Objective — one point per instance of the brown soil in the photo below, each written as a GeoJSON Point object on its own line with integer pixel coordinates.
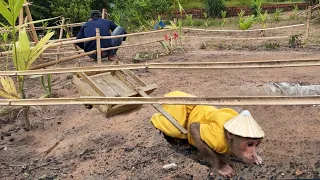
{"type": "Point", "coordinates": [126, 146]}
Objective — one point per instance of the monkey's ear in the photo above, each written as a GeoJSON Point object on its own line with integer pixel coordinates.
{"type": "Point", "coordinates": [229, 135]}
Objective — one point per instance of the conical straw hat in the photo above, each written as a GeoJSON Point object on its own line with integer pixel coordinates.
{"type": "Point", "coordinates": [244, 125]}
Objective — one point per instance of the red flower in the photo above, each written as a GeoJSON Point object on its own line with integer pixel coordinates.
{"type": "Point", "coordinates": [167, 38]}
{"type": "Point", "coordinates": [175, 35]}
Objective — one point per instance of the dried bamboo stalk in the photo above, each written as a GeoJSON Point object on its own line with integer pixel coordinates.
{"type": "Point", "coordinates": [189, 65]}
{"type": "Point", "coordinates": [98, 43]}
{"type": "Point", "coordinates": [240, 38]}
{"type": "Point", "coordinates": [249, 30]}
{"type": "Point", "coordinates": [216, 101]}
{"type": "Point", "coordinates": [60, 36]}
{"type": "Point", "coordinates": [136, 34]}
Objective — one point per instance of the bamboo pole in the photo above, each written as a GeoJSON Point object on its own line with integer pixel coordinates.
{"type": "Point", "coordinates": [104, 13]}
{"type": "Point", "coordinates": [249, 30]}
{"type": "Point", "coordinates": [216, 101]}
{"type": "Point", "coordinates": [60, 36]}
{"type": "Point", "coordinates": [189, 65]}
{"type": "Point", "coordinates": [241, 38]}
{"type": "Point", "coordinates": [136, 34]}
{"type": "Point", "coordinates": [132, 45]}
{"type": "Point", "coordinates": [62, 60]}
{"type": "Point", "coordinates": [308, 24]}
{"type": "Point", "coordinates": [34, 33]}
{"type": "Point", "coordinates": [98, 43]}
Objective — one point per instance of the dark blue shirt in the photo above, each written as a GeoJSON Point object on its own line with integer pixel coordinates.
{"type": "Point", "coordinates": [89, 30]}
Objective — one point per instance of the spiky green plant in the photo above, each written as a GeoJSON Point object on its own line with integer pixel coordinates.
{"type": "Point", "coordinates": [223, 15]}
{"type": "Point", "coordinates": [276, 15]}
{"type": "Point", "coordinates": [246, 23]}
{"type": "Point", "coordinates": [263, 19]}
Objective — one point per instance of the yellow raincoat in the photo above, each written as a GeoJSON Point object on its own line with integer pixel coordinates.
{"type": "Point", "coordinates": [210, 118]}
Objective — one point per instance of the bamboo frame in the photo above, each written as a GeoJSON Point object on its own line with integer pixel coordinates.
{"type": "Point", "coordinates": [216, 101]}
{"type": "Point", "coordinates": [136, 34]}
{"type": "Point", "coordinates": [249, 30]}
{"type": "Point", "coordinates": [189, 65]}
{"type": "Point", "coordinates": [131, 45]}
{"type": "Point", "coordinates": [98, 43]}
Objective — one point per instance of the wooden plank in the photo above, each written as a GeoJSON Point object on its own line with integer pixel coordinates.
{"type": "Point", "coordinates": [115, 84]}
{"type": "Point", "coordinates": [124, 80]}
{"type": "Point", "coordinates": [147, 89]}
{"type": "Point", "coordinates": [117, 109]}
{"type": "Point", "coordinates": [85, 89]}
{"type": "Point", "coordinates": [165, 114]}
{"type": "Point", "coordinates": [92, 84]}
{"type": "Point", "coordinates": [104, 86]}
{"type": "Point", "coordinates": [133, 76]}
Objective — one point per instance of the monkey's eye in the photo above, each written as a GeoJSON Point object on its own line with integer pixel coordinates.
{"type": "Point", "coordinates": [250, 144]}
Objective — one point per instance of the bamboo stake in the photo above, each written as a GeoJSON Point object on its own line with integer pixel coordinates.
{"type": "Point", "coordinates": [308, 24]}
{"type": "Point", "coordinates": [20, 19]}
{"type": "Point", "coordinates": [189, 65]}
{"type": "Point", "coordinates": [62, 60]}
{"type": "Point", "coordinates": [98, 43]}
{"type": "Point", "coordinates": [60, 36]}
{"type": "Point", "coordinates": [34, 33]}
{"type": "Point", "coordinates": [103, 13]}
{"type": "Point", "coordinates": [216, 101]}
{"type": "Point", "coordinates": [249, 30]}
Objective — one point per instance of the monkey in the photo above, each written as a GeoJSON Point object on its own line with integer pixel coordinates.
{"type": "Point", "coordinates": [214, 131]}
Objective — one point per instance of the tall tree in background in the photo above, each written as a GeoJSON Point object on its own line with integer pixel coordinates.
{"type": "Point", "coordinates": [76, 10]}
{"type": "Point", "coordinates": [40, 9]}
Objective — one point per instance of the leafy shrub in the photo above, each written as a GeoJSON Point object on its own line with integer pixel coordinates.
{"type": "Point", "coordinates": [214, 7]}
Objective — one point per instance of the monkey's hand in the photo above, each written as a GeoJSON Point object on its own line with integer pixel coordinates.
{"type": "Point", "coordinates": [225, 169]}
{"type": "Point", "coordinates": [258, 160]}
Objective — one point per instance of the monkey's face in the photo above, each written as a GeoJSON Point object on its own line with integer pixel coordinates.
{"type": "Point", "coordinates": [246, 149]}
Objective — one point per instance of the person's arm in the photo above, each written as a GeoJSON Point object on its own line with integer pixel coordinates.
{"type": "Point", "coordinates": [113, 26]}
{"type": "Point", "coordinates": [80, 36]}
{"type": "Point", "coordinates": [210, 155]}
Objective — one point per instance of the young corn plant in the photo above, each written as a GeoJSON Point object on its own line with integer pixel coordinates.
{"type": "Point", "coordinates": [189, 19]}
{"type": "Point", "coordinates": [263, 18]}
{"type": "Point", "coordinates": [276, 15]}
{"type": "Point", "coordinates": [22, 54]}
{"type": "Point", "coordinates": [205, 15]}
{"type": "Point", "coordinates": [223, 15]}
{"type": "Point", "coordinates": [246, 23]}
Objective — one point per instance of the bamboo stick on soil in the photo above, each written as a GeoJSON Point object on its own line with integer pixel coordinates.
{"type": "Point", "coordinates": [249, 30]}
{"type": "Point", "coordinates": [216, 101]}
{"type": "Point", "coordinates": [98, 43]}
{"type": "Point", "coordinates": [189, 65]}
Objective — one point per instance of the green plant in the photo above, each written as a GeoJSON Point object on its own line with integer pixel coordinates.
{"type": "Point", "coordinates": [246, 23]}
{"type": "Point", "coordinates": [214, 7]}
{"type": "Point", "coordinates": [294, 41]}
{"type": "Point", "coordinates": [223, 15]}
{"type": "Point", "coordinates": [22, 54]}
{"type": "Point", "coordinates": [276, 15]}
{"type": "Point", "coordinates": [256, 7]}
{"type": "Point", "coordinates": [189, 19]}
{"type": "Point", "coordinates": [263, 19]}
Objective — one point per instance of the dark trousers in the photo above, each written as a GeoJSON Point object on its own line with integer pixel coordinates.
{"type": "Point", "coordinates": [113, 42]}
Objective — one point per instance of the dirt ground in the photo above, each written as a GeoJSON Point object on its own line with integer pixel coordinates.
{"type": "Point", "coordinates": [126, 146]}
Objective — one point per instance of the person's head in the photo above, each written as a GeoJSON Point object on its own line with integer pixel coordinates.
{"type": "Point", "coordinates": [243, 135]}
{"type": "Point", "coordinates": [95, 14]}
